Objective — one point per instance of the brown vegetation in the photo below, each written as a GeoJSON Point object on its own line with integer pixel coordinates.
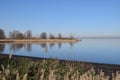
{"type": "Point", "coordinates": [48, 69]}
{"type": "Point", "coordinates": [38, 40]}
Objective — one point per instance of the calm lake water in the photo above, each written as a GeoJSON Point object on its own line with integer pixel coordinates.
{"type": "Point", "coordinates": [87, 50]}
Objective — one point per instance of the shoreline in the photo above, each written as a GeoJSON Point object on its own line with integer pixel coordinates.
{"type": "Point", "coordinates": [39, 58]}
{"type": "Point", "coordinates": [105, 67]}
{"type": "Point", "coordinates": [37, 40]}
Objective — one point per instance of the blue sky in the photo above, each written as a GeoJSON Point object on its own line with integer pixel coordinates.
{"type": "Point", "coordinates": [78, 17]}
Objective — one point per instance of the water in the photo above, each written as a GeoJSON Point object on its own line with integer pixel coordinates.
{"type": "Point", "coordinates": [87, 50]}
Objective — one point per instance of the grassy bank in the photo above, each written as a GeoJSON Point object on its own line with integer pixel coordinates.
{"type": "Point", "coordinates": [48, 69]}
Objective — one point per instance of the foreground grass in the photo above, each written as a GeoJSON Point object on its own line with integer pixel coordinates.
{"type": "Point", "coordinates": [50, 69]}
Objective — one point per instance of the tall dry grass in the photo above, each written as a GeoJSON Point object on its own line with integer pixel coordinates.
{"type": "Point", "coordinates": [52, 69]}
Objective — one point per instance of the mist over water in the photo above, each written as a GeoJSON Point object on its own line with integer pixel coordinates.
{"type": "Point", "coordinates": [87, 50]}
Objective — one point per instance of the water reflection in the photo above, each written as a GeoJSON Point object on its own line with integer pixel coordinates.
{"type": "Point", "coordinates": [51, 45]}
{"type": "Point", "coordinates": [46, 49]}
{"type": "Point", "coordinates": [43, 45]}
{"type": "Point", "coordinates": [71, 44]}
{"type": "Point", "coordinates": [15, 47]}
{"type": "Point", "coordinates": [2, 47]}
{"type": "Point", "coordinates": [19, 46]}
{"type": "Point", "coordinates": [12, 47]}
{"type": "Point", "coordinates": [28, 46]}
{"type": "Point", "coordinates": [59, 45]}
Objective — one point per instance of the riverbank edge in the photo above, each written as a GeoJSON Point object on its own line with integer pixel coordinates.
{"type": "Point", "coordinates": [97, 65]}
{"type": "Point", "coordinates": [37, 40]}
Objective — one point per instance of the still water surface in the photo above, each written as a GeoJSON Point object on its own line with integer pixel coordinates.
{"type": "Point", "coordinates": [87, 50]}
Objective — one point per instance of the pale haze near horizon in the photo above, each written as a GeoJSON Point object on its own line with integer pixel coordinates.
{"type": "Point", "coordinates": [77, 17]}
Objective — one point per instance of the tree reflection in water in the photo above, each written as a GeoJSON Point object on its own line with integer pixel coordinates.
{"type": "Point", "coordinates": [59, 45]}
{"type": "Point", "coordinates": [16, 47]}
{"type": "Point", "coordinates": [2, 47]}
{"type": "Point", "coordinates": [44, 46]}
{"type": "Point", "coordinates": [71, 44]}
{"type": "Point", "coordinates": [12, 47]}
{"type": "Point", "coordinates": [19, 46]}
{"type": "Point", "coordinates": [51, 45]}
{"type": "Point", "coordinates": [46, 49]}
{"type": "Point", "coordinates": [28, 46]}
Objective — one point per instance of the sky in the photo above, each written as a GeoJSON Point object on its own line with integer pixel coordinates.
{"type": "Point", "coordinates": [76, 17]}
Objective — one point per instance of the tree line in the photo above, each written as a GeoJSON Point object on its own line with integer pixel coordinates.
{"type": "Point", "coordinates": [15, 34]}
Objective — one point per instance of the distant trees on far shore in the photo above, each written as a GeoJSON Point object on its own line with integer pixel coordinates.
{"type": "Point", "coordinates": [43, 35]}
{"type": "Point", "coordinates": [15, 34]}
{"type": "Point", "coordinates": [59, 36]}
{"type": "Point", "coordinates": [28, 34]}
{"type": "Point", "coordinates": [2, 34]}
{"type": "Point", "coordinates": [51, 36]}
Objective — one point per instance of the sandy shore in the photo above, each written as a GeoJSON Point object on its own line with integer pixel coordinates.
{"type": "Point", "coordinates": [37, 40]}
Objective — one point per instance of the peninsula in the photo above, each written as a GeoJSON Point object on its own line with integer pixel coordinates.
{"type": "Point", "coordinates": [16, 36]}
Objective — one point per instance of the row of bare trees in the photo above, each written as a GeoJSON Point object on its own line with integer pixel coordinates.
{"type": "Point", "coordinates": [15, 34]}
{"type": "Point", "coordinates": [51, 36]}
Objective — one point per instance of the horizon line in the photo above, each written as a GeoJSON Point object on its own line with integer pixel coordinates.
{"type": "Point", "coordinates": [98, 37]}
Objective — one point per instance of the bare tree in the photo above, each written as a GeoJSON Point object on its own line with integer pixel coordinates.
{"type": "Point", "coordinates": [28, 34]}
{"type": "Point", "coordinates": [59, 36]}
{"type": "Point", "coordinates": [51, 36]}
{"type": "Point", "coordinates": [71, 37]}
{"type": "Point", "coordinates": [10, 34]}
{"type": "Point", "coordinates": [13, 34]}
{"type": "Point", "coordinates": [2, 34]}
{"type": "Point", "coordinates": [43, 35]}
{"type": "Point", "coordinates": [19, 35]}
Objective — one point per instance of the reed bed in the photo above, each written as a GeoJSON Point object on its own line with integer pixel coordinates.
{"type": "Point", "coordinates": [50, 69]}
